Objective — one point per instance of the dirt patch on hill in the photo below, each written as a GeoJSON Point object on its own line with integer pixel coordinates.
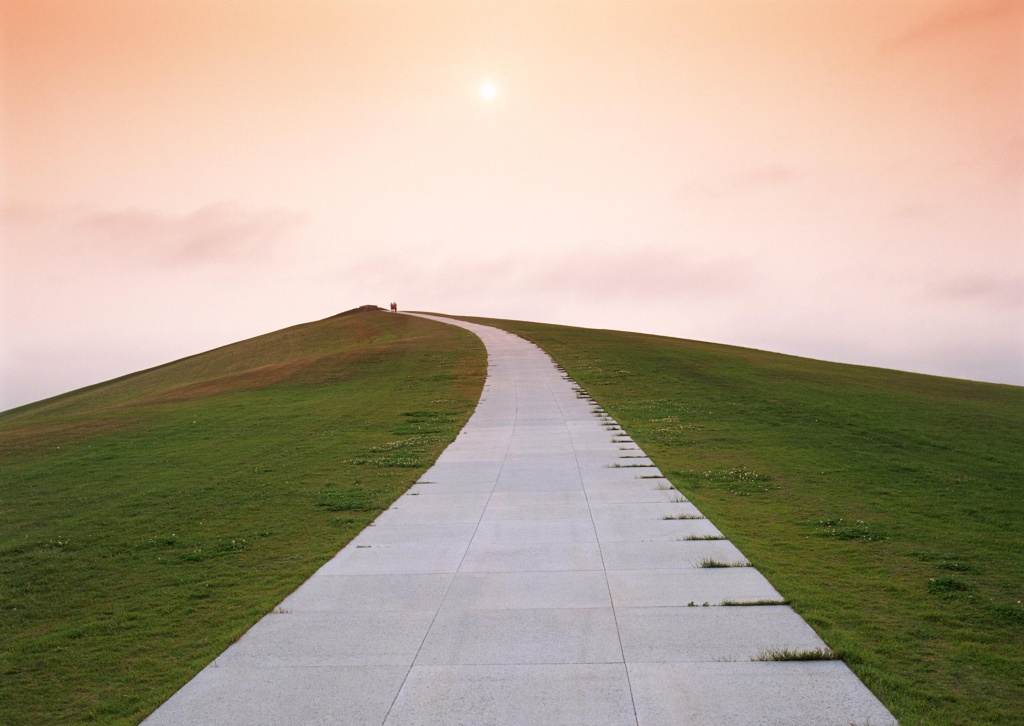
{"type": "Point", "coordinates": [25, 440]}
{"type": "Point", "coordinates": [360, 309]}
{"type": "Point", "coordinates": [314, 370]}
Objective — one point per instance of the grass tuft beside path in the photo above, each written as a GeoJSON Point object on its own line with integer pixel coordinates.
{"type": "Point", "coordinates": [887, 507]}
{"type": "Point", "coordinates": [149, 521]}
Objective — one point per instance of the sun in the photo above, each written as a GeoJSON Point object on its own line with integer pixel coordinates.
{"type": "Point", "coordinates": [488, 91]}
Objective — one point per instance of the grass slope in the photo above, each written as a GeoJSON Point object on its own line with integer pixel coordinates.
{"type": "Point", "coordinates": [886, 506]}
{"type": "Point", "coordinates": [149, 521]}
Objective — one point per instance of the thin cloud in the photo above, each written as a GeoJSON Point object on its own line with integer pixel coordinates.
{"type": "Point", "coordinates": [959, 15]}
{"type": "Point", "coordinates": [756, 179]}
{"type": "Point", "coordinates": [1012, 159]}
{"type": "Point", "coordinates": [643, 273]}
{"type": "Point", "coordinates": [214, 234]}
{"type": "Point", "coordinates": [218, 234]}
{"type": "Point", "coordinates": [996, 292]}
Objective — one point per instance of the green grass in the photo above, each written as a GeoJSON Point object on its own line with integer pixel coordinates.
{"type": "Point", "coordinates": [887, 507]}
{"type": "Point", "coordinates": [149, 521]}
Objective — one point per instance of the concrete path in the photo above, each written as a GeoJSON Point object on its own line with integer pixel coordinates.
{"type": "Point", "coordinates": [542, 572]}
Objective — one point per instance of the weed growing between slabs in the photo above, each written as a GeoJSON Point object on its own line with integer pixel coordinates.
{"type": "Point", "coordinates": [885, 506]}
{"type": "Point", "coordinates": [787, 654]}
{"type": "Point", "coordinates": [151, 520]}
{"type": "Point", "coordinates": [714, 563]}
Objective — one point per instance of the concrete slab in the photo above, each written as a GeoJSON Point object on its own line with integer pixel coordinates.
{"type": "Point", "coordinates": [550, 459]}
{"type": "Point", "coordinates": [620, 481]}
{"type": "Point", "coordinates": [531, 557]}
{"type": "Point", "coordinates": [410, 511]}
{"type": "Point", "coordinates": [377, 593]}
{"type": "Point", "coordinates": [509, 637]}
{"type": "Point", "coordinates": [517, 498]}
{"type": "Point", "coordinates": [478, 455]}
{"type": "Point", "coordinates": [508, 590]}
{"type": "Point", "coordinates": [648, 511]}
{"type": "Point", "coordinates": [623, 478]}
{"type": "Point", "coordinates": [671, 530]}
{"type": "Point", "coordinates": [331, 639]}
{"type": "Point", "coordinates": [231, 696]}
{"type": "Point", "coordinates": [591, 460]}
{"type": "Point", "coordinates": [535, 512]}
{"type": "Point", "coordinates": [668, 555]}
{"type": "Point", "coordinates": [552, 695]}
{"type": "Point", "coordinates": [809, 693]}
{"type": "Point", "coordinates": [669, 635]}
{"type": "Point", "coordinates": [596, 475]}
{"type": "Point", "coordinates": [442, 556]}
{"type": "Point", "coordinates": [450, 489]}
{"type": "Point", "coordinates": [438, 496]}
{"type": "Point", "coordinates": [470, 472]}
{"type": "Point", "coordinates": [412, 534]}
{"type": "Point", "coordinates": [679, 588]}
{"type": "Point", "coordinates": [535, 483]}
{"type": "Point", "coordinates": [631, 494]}
{"type": "Point", "coordinates": [536, 532]}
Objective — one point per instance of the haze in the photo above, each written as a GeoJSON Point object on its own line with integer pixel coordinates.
{"type": "Point", "coordinates": [838, 179]}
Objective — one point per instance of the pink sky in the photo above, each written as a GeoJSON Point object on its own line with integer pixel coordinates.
{"type": "Point", "coordinates": [837, 179]}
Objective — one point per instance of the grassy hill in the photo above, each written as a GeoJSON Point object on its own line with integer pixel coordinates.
{"type": "Point", "coordinates": [888, 507]}
{"type": "Point", "coordinates": [149, 521]}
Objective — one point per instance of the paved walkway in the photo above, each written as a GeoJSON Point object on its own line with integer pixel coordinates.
{"type": "Point", "coordinates": [542, 572]}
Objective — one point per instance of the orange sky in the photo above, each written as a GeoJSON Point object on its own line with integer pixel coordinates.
{"type": "Point", "coordinates": [843, 180]}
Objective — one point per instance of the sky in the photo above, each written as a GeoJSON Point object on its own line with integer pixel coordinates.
{"type": "Point", "coordinates": [838, 179]}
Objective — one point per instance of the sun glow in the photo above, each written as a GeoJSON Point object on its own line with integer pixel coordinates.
{"type": "Point", "coordinates": [488, 91]}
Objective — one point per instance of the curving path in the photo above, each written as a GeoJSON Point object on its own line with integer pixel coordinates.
{"type": "Point", "coordinates": [542, 572]}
